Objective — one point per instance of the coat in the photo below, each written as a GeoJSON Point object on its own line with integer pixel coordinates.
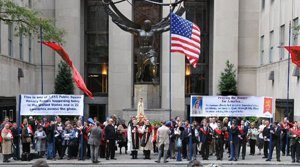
{"type": "Point", "coordinates": [7, 142]}
{"type": "Point", "coordinates": [163, 137]}
{"type": "Point", "coordinates": [95, 136]}
{"type": "Point", "coordinates": [40, 137]}
{"type": "Point", "coordinates": [147, 135]}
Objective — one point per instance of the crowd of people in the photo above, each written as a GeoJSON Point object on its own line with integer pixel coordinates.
{"type": "Point", "coordinates": [139, 137]}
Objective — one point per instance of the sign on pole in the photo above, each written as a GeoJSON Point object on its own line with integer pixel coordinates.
{"type": "Point", "coordinates": [231, 106]}
{"type": "Point", "coordinates": [53, 104]}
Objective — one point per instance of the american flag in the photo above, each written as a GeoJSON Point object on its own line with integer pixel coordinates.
{"type": "Point", "coordinates": [185, 38]}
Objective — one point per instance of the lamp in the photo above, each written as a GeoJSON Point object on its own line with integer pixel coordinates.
{"type": "Point", "coordinates": [104, 69]}
{"type": "Point", "coordinates": [187, 70]}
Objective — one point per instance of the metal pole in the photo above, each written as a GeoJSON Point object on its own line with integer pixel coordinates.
{"type": "Point", "coordinates": [170, 66]}
{"type": "Point", "coordinates": [288, 88]}
{"type": "Point", "coordinates": [19, 127]}
{"type": "Point", "coordinates": [42, 70]}
{"type": "Point", "coordinates": [81, 138]}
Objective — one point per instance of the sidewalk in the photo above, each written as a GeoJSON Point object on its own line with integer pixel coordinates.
{"type": "Point", "coordinates": [125, 160]}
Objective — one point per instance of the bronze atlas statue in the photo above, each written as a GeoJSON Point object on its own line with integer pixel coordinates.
{"type": "Point", "coordinates": [146, 54]}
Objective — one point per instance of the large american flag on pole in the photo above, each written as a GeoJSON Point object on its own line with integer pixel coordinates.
{"type": "Point", "coordinates": [185, 38]}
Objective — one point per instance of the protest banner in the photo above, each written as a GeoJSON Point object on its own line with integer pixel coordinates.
{"type": "Point", "coordinates": [53, 104]}
{"type": "Point", "coordinates": [231, 106]}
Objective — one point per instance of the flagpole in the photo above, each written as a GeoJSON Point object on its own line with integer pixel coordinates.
{"type": "Point", "coordinates": [288, 76]}
{"type": "Point", "coordinates": [288, 87]}
{"type": "Point", "coordinates": [42, 70]}
{"type": "Point", "coordinates": [170, 66]}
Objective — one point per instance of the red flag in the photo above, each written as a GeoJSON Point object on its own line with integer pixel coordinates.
{"type": "Point", "coordinates": [76, 75]}
{"type": "Point", "coordinates": [295, 53]}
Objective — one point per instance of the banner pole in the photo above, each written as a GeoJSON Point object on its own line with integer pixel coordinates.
{"type": "Point", "coordinates": [19, 127]}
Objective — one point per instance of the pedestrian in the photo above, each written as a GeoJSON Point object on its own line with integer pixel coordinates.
{"type": "Point", "coordinates": [7, 137]}
{"type": "Point", "coordinates": [219, 141]}
{"type": "Point", "coordinates": [133, 137]}
{"type": "Point", "coordinates": [110, 138]}
{"type": "Point", "coordinates": [58, 134]}
{"type": "Point", "coordinates": [50, 141]}
{"type": "Point", "coordinates": [26, 137]}
{"type": "Point", "coordinates": [122, 136]}
{"type": "Point", "coordinates": [266, 134]}
{"type": "Point", "coordinates": [294, 134]}
{"type": "Point", "coordinates": [243, 139]}
{"type": "Point", "coordinates": [275, 132]}
{"type": "Point", "coordinates": [146, 139]}
{"type": "Point", "coordinates": [163, 141]}
{"type": "Point", "coordinates": [94, 142]}
{"type": "Point", "coordinates": [16, 141]}
{"type": "Point", "coordinates": [234, 141]}
{"type": "Point", "coordinates": [40, 137]}
{"type": "Point", "coordinates": [205, 136]}
{"type": "Point", "coordinates": [252, 135]}
{"type": "Point", "coordinates": [261, 137]}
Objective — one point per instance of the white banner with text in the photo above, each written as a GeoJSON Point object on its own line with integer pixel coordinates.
{"type": "Point", "coordinates": [53, 104]}
{"type": "Point", "coordinates": [231, 106]}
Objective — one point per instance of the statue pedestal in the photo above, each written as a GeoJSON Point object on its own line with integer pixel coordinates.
{"type": "Point", "coordinates": [151, 114]}
{"type": "Point", "coordinates": [149, 93]}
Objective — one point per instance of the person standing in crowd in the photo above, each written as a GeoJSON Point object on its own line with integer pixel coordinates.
{"type": "Point", "coordinates": [195, 138]}
{"type": "Point", "coordinates": [134, 138]}
{"type": "Point", "coordinates": [205, 136]}
{"type": "Point", "coordinates": [219, 141]}
{"type": "Point", "coordinates": [243, 139]}
{"type": "Point", "coordinates": [163, 141]}
{"type": "Point", "coordinates": [26, 136]}
{"type": "Point", "coordinates": [266, 134]}
{"type": "Point", "coordinates": [260, 136]}
{"type": "Point", "coordinates": [185, 142]}
{"type": "Point", "coordinates": [275, 132]}
{"type": "Point", "coordinates": [122, 136]}
{"type": "Point", "coordinates": [234, 141]}
{"type": "Point", "coordinates": [147, 136]}
{"type": "Point", "coordinates": [58, 134]}
{"type": "Point", "coordinates": [50, 141]}
{"type": "Point", "coordinates": [94, 142]}
{"type": "Point", "coordinates": [213, 125]}
{"type": "Point", "coordinates": [294, 134]}
{"type": "Point", "coordinates": [285, 140]}
{"type": "Point", "coordinates": [40, 137]}
{"type": "Point", "coordinates": [252, 135]}
{"type": "Point", "coordinates": [178, 131]}
{"type": "Point", "coordinates": [68, 135]}
{"type": "Point", "coordinates": [15, 130]}
{"type": "Point", "coordinates": [86, 147]}
{"type": "Point", "coordinates": [33, 124]}
{"type": "Point", "coordinates": [110, 138]}
{"type": "Point", "coordinates": [171, 152]}
{"type": "Point", "coordinates": [7, 137]}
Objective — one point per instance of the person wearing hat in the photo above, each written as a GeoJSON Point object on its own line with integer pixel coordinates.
{"type": "Point", "coordinates": [163, 141]}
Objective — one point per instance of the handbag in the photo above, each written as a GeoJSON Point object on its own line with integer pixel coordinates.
{"type": "Point", "coordinates": [179, 143]}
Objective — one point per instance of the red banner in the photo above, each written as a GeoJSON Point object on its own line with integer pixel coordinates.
{"type": "Point", "coordinates": [295, 54]}
{"type": "Point", "coordinates": [76, 75]}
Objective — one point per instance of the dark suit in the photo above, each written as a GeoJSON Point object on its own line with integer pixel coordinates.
{"type": "Point", "coordinates": [275, 136]}
{"type": "Point", "coordinates": [110, 135]}
{"type": "Point", "coordinates": [266, 135]}
{"type": "Point", "coordinates": [94, 142]}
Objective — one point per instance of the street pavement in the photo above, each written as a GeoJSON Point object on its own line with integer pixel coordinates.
{"type": "Point", "coordinates": [124, 160]}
